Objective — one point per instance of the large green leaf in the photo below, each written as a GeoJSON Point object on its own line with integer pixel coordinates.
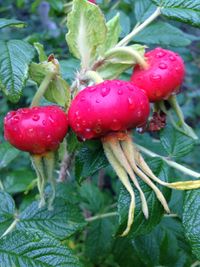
{"type": "Point", "coordinates": [15, 58]}
{"type": "Point", "coordinates": [11, 23]}
{"type": "Point", "coordinates": [182, 10]}
{"type": "Point", "coordinates": [7, 211]}
{"type": "Point", "coordinates": [191, 218]}
{"type": "Point", "coordinates": [141, 225]}
{"type": "Point", "coordinates": [175, 143]}
{"type": "Point", "coordinates": [63, 221]}
{"type": "Point", "coordinates": [143, 9]}
{"type": "Point", "coordinates": [7, 154]}
{"type": "Point", "coordinates": [34, 249]}
{"type": "Point", "coordinates": [162, 33]}
{"type": "Point", "coordinates": [86, 30]}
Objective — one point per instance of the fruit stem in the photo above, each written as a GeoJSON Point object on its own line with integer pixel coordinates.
{"type": "Point", "coordinates": [171, 163]}
{"type": "Point", "coordinates": [94, 76]}
{"type": "Point", "coordinates": [186, 128]}
{"type": "Point", "coordinates": [10, 228]}
{"type": "Point", "coordinates": [139, 28]}
{"type": "Point", "coordinates": [130, 51]}
{"type": "Point", "coordinates": [101, 216]}
{"type": "Point", "coordinates": [42, 88]}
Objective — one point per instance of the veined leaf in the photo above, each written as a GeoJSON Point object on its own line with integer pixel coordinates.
{"type": "Point", "coordinates": [7, 154]}
{"type": "Point", "coordinates": [86, 30]}
{"type": "Point", "coordinates": [34, 248]}
{"type": "Point", "coordinates": [11, 23]}
{"type": "Point", "coordinates": [15, 58]}
{"type": "Point", "coordinates": [181, 10]}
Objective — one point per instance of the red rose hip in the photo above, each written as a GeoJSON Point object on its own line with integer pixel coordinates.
{"type": "Point", "coordinates": [164, 75]}
{"type": "Point", "coordinates": [36, 130]}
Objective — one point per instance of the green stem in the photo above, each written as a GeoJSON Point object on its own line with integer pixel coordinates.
{"type": "Point", "coordinates": [171, 163]}
{"type": "Point", "coordinates": [94, 76]}
{"type": "Point", "coordinates": [101, 216]}
{"type": "Point", "coordinates": [139, 28]}
{"type": "Point", "coordinates": [10, 228]}
{"type": "Point", "coordinates": [127, 50]}
{"type": "Point", "coordinates": [42, 89]}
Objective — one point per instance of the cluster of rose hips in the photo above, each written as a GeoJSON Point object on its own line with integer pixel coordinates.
{"type": "Point", "coordinates": [106, 111]}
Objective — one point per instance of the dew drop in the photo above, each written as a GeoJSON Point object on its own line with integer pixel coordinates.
{"type": "Point", "coordinates": [92, 89]}
{"type": "Point", "coordinates": [160, 54]}
{"type": "Point", "coordinates": [24, 111]}
{"type": "Point", "coordinates": [105, 91]}
{"type": "Point", "coordinates": [15, 118]}
{"type": "Point", "coordinates": [30, 130]}
{"type": "Point", "coordinates": [155, 77]}
{"type": "Point", "coordinates": [172, 58]}
{"type": "Point", "coordinates": [88, 133]}
{"type": "Point", "coordinates": [44, 122]}
{"type": "Point", "coordinates": [162, 66]}
{"type": "Point", "coordinates": [131, 103]}
{"type": "Point", "coordinates": [49, 138]}
{"type": "Point", "coordinates": [177, 69]}
{"type": "Point", "coordinates": [77, 113]}
{"type": "Point", "coordinates": [51, 119]}
{"type": "Point", "coordinates": [120, 92]}
{"type": "Point", "coordinates": [82, 98]}
{"type": "Point", "coordinates": [35, 117]}
{"type": "Point", "coordinates": [115, 125]}
{"type": "Point", "coordinates": [83, 122]}
{"type": "Point", "coordinates": [98, 101]}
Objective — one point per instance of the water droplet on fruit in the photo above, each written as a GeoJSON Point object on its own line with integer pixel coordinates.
{"type": "Point", "coordinates": [35, 117]}
{"type": "Point", "coordinates": [162, 66]}
{"type": "Point", "coordinates": [49, 138]}
{"type": "Point", "coordinates": [177, 69]}
{"type": "Point", "coordinates": [15, 118]}
{"type": "Point", "coordinates": [44, 122]}
{"type": "Point", "coordinates": [130, 101]}
{"type": "Point", "coordinates": [97, 129]}
{"type": "Point", "coordinates": [155, 77]}
{"type": "Point", "coordinates": [78, 118]}
{"type": "Point", "coordinates": [30, 130]}
{"type": "Point", "coordinates": [98, 101]}
{"type": "Point", "coordinates": [51, 119]}
{"type": "Point", "coordinates": [82, 98]}
{"type": "Point", "coordinates": [24, 111]}
{"type": "Point", "coordinates": [139, 78]}
{"type": "Point", "coordinates": [92, 89]}
{"type": "Point", "coordinates": [83, 122]}
{"type": "Point", "coordinates": [139, 113]}
{"type": "Point", "coordinates": [77, 113]}
{"type": "Point", "coordinates": [88, 133]}
{"type": "Point", "coordinates": [120, 92]}
{"type": "Point", "coordinates": [118, 83]}
{"type": "Point", "coordinates": [160, 54]}
{"type": "Point", "coordinates": [115, 125]}
{"type": "Point", "coordinates": [105, 91]}
{"type": "Point", "coordinates": [172, 58]}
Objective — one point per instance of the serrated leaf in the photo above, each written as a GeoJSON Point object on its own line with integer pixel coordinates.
{"type": "Point", "coordinates": [88, 162]}
{"type": "Point", "coordinates": [15, 58]}
{"type": "Point", "coordinates": [11, 23]}
{"type": "Point", "coordinates": [113, 32]}
{"type": "Point", "coordinates": [34, 248]}
{"type": "Point", "coordinates": [7, 154]}
{"type": "Point", "coordinates": [140, 224]}
{"type": "Point", "coordinates": [86, 30]}
{"type": "Point", "coordinates": [191, 218]}
{"type": "Point", "coordinates": [99, 238]}
{"type": "Point", "coordinates": [63, 221]}
{"type": "Point", "coordinates": [162, 33]}
{"type": "Point", "coordinates": [184, 11]}
{"type": "Point", "coordinates": [7, 211]}
{"type": "Point", "coordinates": [176, 144]}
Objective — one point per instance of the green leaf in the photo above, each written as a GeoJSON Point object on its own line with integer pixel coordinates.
{"type": "Point", "coordinates": [140, 224]}
{"type": "Point", "coordinates": [86, 30]}
{"type": "Point", "coordinates": [11, 23]}
{"type": "Point", "coordinates": [7, 154]}
{"type": "Point", "coordinates": [34, 248]}
{"type": "Point", "coordinates": [99, 238]}
{"type": "Point", "coordinates": [18, 180]}
{"type": "Point", "coordinates": [89, 161]}
{"type": "Point", "coordinates": [40, 50]}
{"type": "Point", "coordinates": [113, 32]}
{"type": "Point", "coordinates": [63, 221]}
{"type": "Point", "coordinates": [15, 58]}
{"type": "Point", "coordinates": [7, 211]}
{"type": "Point", "coordinates": [176, 144]}
{"type": "Point", "coordinates": [184, 11]}
{"type": "Point", "coordinates": [191, 218]}
{"type": "Point", "coordinates": [162, 33]}
{"type": "Point", "coordinates": [143, 9]}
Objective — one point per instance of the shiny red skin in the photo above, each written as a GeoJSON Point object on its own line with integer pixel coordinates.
{"type": "Point", "coordinates": [164, 75]}
{"type": "Point", "coordinates": [110, 106]}
{"type": "Point", "coordinates": [36, 130]}
{"type": "Point", "coordinates": [92, 1]}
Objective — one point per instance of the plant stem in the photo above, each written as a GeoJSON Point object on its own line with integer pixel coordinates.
{"type": "Point", "coordinates": [11, 227]}
{"type": "Point", "coordinates": [94, 76]}
{"type": "Point", "coordinates": [101, 216]}
{"type": "Point", "coordinates": [42, 89]}
{"type": "Point", "coordinates": [139, 28]}
{"type": "Point", "coordinates": [171, 163]}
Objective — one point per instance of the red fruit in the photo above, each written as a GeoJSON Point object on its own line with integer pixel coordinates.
{"type": "Point", "coordinates": [163, 76]}
{"type": "Point", "coordinates": [37, 129]}
{"type": "Point", "coordinates": [110, 106]}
